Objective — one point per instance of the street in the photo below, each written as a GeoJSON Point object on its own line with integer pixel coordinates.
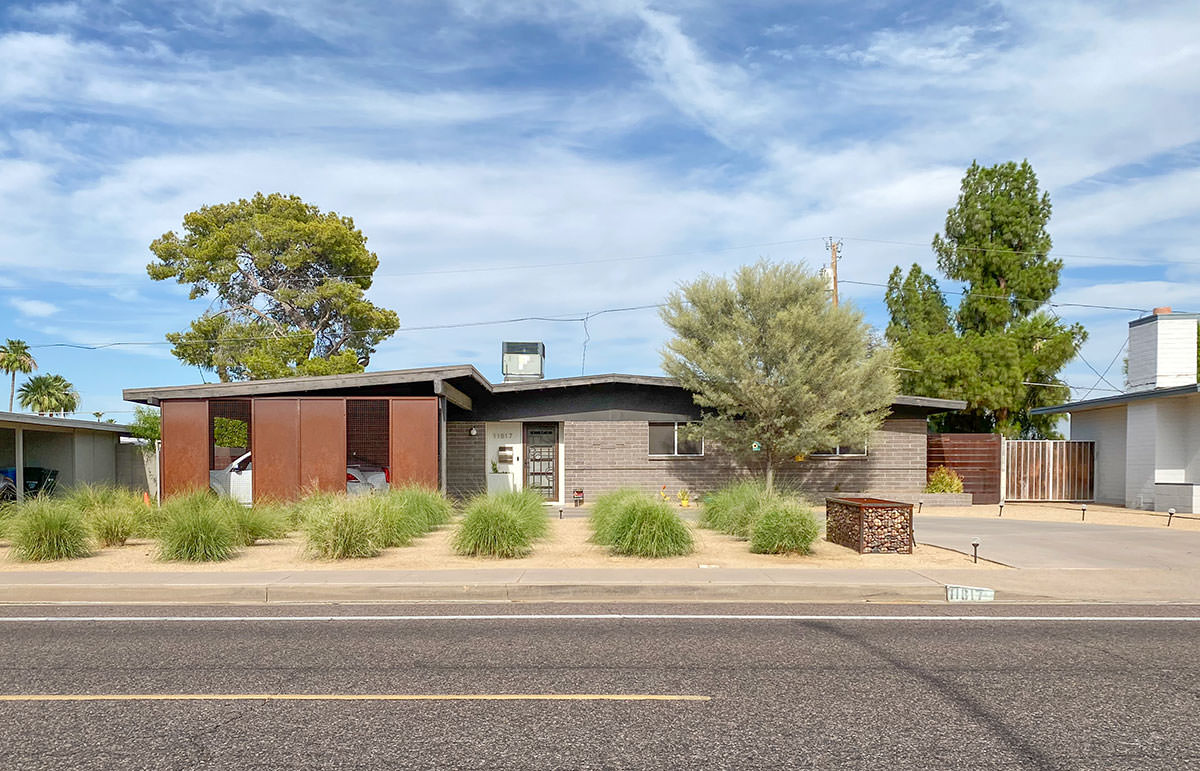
{"type": "Point", "coordinates": [829, 686]}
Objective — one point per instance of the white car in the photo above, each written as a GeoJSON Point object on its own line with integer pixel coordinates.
{"type": "Point", "coordinates": [236, 480]}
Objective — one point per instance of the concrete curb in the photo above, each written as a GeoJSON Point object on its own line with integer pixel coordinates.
{"type": "Point", "coordinates": [268, 594]}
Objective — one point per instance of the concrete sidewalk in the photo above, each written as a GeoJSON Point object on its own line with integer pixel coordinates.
{"type": "Point", "coordinates": [581, 585]}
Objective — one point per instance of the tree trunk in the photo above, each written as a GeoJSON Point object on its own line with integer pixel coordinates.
{"type": "Point", "coordinates": [12, 390]}
{"type": "Point", "coordinates": [770, 473]}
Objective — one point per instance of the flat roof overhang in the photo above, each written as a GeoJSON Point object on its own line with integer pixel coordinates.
{"type": "Point", "coordinates": [36, 422]}
{"type": "Point", "coordinates": [1118, 400]}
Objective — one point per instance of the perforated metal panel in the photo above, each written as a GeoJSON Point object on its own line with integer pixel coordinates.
{"type": "Point", "coordinates": [368, 432]}
{"type": "Point", "coordinates": [229, 433]}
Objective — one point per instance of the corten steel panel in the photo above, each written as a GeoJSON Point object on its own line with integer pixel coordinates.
{"type": "Point", "coordinates": [277, 449]}
{"type": "Point", "coordinates": [184, 446]}
{"type": "Point", "coordinates": [415, 441]}
{"type": "Point", "coordinates": [323, 444]}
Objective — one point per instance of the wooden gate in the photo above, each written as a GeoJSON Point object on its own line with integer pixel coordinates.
{"type": "Point", "coordinates": [1049, 470]}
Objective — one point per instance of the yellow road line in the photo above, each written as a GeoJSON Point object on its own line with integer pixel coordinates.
{"type": "Point", "coordinates": [351, 697]}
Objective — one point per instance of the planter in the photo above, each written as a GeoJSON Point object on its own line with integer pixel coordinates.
{"type": "Point", "coordinates": [499, 483]}
{"type": "Point", "coordinates": [869, 525]}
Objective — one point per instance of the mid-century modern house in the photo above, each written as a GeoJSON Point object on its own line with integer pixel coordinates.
{"type": "Point", "coordinates": [1147, 439]}
{"type": "Point", "coordinates": [40, 454]}
{"type": "Point", "coordinates": [450, 427]}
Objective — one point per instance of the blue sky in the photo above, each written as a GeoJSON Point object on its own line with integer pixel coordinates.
{"type": "Point", "coordinates": [486, 149]}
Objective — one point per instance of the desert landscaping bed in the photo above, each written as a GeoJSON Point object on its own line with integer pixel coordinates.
{"type": "Point", "coordinates": [1097, 514]}
{"type": "Point", "coordinates": [566, 546]}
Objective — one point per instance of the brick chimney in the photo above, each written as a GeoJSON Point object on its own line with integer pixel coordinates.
{"type": "Point", "coordinates": [1162, 350]}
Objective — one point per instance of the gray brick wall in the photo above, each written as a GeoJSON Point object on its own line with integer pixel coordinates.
{"type": "Point", "coordinates": [602, 456]}
{"type": "Point", "coordinates": [465, 461]}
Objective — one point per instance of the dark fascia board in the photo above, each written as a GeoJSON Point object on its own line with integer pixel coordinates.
{"type": "Point", "coordinates": [294, 385]}
{"type": "Point", "coordinates": [333, 382]}
{"type": "Point", "coordinates": [11, 419]}
{"type": "Point", "coordinates": [1116, 401]}
{"type": "Point", "coordinates": [1148, 319]}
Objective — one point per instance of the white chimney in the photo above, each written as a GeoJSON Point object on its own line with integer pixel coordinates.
{"type": "Point", "coordinates": [1162, 350]}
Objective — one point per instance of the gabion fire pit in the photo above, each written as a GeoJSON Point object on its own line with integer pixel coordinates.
{"type": "Point", "coordinates": [869, 525]}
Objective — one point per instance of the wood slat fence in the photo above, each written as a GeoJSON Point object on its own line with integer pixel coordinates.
{"type": "Point", "coordinates": [1049, 470]}
{"type": "Point", "coordinates": [976, 458]}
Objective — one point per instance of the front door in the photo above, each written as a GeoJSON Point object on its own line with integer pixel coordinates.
{"type": "Point", "coordinates": [541, 459]}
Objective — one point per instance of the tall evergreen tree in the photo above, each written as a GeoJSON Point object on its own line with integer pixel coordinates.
{"type": "Point", "coordinates": [1002, 340]}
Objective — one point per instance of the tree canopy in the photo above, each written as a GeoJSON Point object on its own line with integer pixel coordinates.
{"type": "Point", "coordinates": [771, 361]}
{"type": "Point", "coordinates": [15, 359]}
{"type": "Point", "coordinates": [288, 284]}
{"type": "Point", "coordinates": [1001, 340]}
{"type": "Point", "coordinates": [48, 395]}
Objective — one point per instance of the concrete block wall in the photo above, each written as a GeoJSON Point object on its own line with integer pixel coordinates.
{"type": "Point", "coordinates": [466, 465]}
{"type": "Point", "coordinates": [1140, 448]}
{"type": "Point", "coordinates": [1107, 429]}
{"type": "Point", "coordinates": [602, 456]}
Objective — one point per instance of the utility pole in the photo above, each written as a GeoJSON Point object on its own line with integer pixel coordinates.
{"type": "Point", "coordinates": [833, 247]}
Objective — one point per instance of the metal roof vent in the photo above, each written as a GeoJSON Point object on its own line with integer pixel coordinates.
{"type": "Point", "coordinates": [523, 361]}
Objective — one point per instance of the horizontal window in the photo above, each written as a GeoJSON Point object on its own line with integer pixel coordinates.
{"type": "Point", "coordinates": [666, 441]}
{"type": "Point", "coordinates": [841, 452]}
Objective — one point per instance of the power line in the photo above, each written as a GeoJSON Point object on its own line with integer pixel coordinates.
{"type": "Point", "coordinates": [1030, 253]}
{"type": "Point", "coordinates": [968, 293]}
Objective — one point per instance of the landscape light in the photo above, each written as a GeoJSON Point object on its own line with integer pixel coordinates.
{"type": "Point", "coordinates": [920, 503]}
{"type": "Point", "coordinates": [975, 550]}
{"type": "Point", "coordinates": [1170, 516]}
{"type": "Point", "coordinates": [1082, 512]}
{"type": "Point", "coordinates": [1001, 514]}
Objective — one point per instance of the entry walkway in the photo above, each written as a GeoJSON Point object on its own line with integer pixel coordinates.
{"type": "Point", "coordinates": [1026, 544]}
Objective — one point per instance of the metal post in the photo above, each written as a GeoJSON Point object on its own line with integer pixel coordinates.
{"type": "Point", "coordinates": [442, 443]}
{"type": "Point", "coordinates": [20, 461]}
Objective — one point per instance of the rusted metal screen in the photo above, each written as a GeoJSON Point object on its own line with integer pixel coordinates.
{"type": "Point", "coordinates": [414, 440]}
{"type": "Point", "coordinates": [185, 460]}
{"type": "Point", "coordinates": [368, 431]}
{"type": "Point", "coordinates": [323, 445]}
{"type": "Point", "coordinates": [229, 431]}
{"type": "Point", "coordinates": [276, 449]}
{"type": "Point", "coordinates": [974, 457]}
{"type": "Point", "coordinates": [1049, 470]}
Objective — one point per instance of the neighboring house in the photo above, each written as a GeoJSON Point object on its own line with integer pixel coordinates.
{"type": "Point", "coordinates": [75, 451]}
{"type": "Point", "coordinates": [450, 427]}
{"type": "Point", "coordinates": [1147, 440]}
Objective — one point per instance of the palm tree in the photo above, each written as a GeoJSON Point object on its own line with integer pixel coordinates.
{"type": "Point", "coordinates": [48, 395]}
{"type": "Point", "coordinates": [15, 357]}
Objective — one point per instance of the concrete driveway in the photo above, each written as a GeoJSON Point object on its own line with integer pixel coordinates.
{"type": "Point", "coordinates": [1025, 544]}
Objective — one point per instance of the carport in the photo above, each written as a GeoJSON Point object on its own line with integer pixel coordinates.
{"type": "Point", "coordinates": [77, 451]}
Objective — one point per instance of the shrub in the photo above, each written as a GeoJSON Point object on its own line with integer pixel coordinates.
{"type": "Point", "coordinates": [197, 527]}
{"type": "Point", "coordinates": [944, 480]}
{"type": "Point", "coordinates": [733, 509]}
{"type": "Point", "coordinates": [606, 510]}
{"type": "Point", "coordinates": [410, 512]}
{"type": "Point", "coordinates": [45, 529]}
{"type": "Point", "coordinates": [646, 528]}
{"type": "Point", "coordinates": [112, 527]}
{"type": "Point", "coordinates": [784, 527]}
{"type": "Point", "coordinates": [258, 522]}
{"type": "Point", "coordinates": [503, 525]}
{"type": "Point", "coordinates": [340, 527]}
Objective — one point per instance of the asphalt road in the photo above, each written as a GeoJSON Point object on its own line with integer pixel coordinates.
{"type": "Point", "coordinates": [821, 692]}
{"type": "Point", "coordinates": [1027, 544]}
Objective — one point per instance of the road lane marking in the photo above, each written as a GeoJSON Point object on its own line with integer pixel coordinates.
{"type": "Point", "coordinates": [583, 617]}
{"type": "Point", "coordinates": [23, 697]}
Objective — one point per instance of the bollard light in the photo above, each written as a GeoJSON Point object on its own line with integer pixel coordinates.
{"type": "Point", "coordinates": [1001, 514]}
{"type": "Point", "coordinates": [560, 514]}
{"type": "Point", "coordinates": [975, 550]}
{"type": "Point", "coordinates": [920, 503]}
{"type": "Point", "coordinates": [1170, 516]}
{"type": "Point", "coordinates": [1082, 512]}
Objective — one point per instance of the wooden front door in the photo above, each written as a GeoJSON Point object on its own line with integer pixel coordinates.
{"type": "Point", "coordinates": [541, 459]}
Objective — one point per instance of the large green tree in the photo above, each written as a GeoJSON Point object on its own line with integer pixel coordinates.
{"type": "Point", "coordinates": [771, 361]}
{"type": "Point", "coordinates": [288, 284]}
{"type": "Point", "coordinates": [1001, 350]}
{"type": "Point", "coordinates": [15, 358]}
{"type": "Point", "coordinates": [48, 395]}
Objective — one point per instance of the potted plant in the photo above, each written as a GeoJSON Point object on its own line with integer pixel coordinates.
{"type": "Point", "coordinates": [498, 481]}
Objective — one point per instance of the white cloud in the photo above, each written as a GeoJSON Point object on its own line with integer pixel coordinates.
{"type": "Point", "coordinates": [35, 308]}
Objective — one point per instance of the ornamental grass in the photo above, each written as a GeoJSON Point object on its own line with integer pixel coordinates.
{"type": "Point", "coordinates": [784, 526]}
{"type": "Point", "coordinates": [44, 529]}
{"type": "Point", "coordinates": [646, 528]}
{"type": "Point", "coordinates": [198, 527]}
{"type": "Point", "coordinates": [504, 525]}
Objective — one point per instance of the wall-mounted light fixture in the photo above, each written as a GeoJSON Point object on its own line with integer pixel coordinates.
{"type": "Point", "coordinates": [474, 431]}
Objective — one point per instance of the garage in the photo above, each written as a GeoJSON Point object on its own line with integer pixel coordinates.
{"type": "Point", "coordinates": [39, 455]}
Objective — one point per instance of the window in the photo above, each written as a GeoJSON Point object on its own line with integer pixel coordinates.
{"type": "Point", "coordinates": [843, 451]}
{"type": "Point", "coordinates": [666, 440]}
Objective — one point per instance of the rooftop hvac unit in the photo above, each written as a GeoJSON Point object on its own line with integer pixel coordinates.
{"type": "Point", "coordinates": [523, 361]}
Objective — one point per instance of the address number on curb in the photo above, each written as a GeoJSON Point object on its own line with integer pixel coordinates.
{"type": "Point", "coordinates": [969, 594]}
